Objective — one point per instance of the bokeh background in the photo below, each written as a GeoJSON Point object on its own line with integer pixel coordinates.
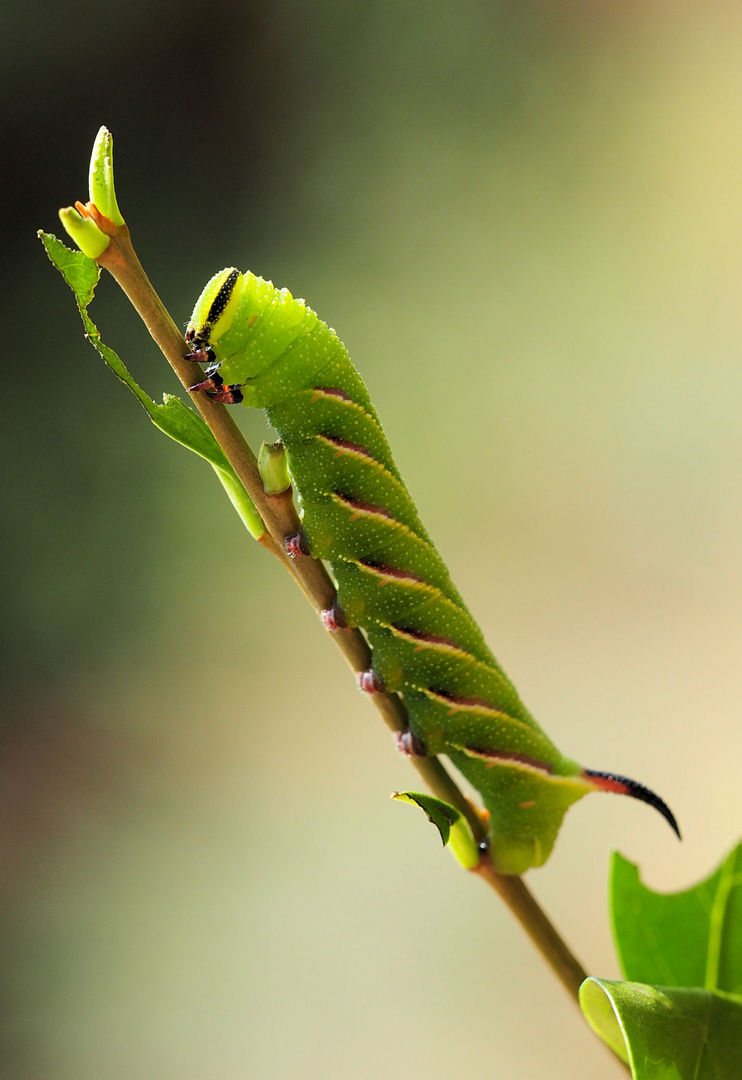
{"type": "Point", "coordinates": [525, 220]}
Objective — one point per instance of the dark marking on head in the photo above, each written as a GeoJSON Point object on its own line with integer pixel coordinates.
{"type": "Point", "coordinates": [222, 298]}
{"type": "Point", "coordinates": [623, 785]}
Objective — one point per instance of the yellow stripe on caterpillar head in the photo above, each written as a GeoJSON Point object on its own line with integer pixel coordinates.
{"type": "Point", "coordinates": [215, 308]}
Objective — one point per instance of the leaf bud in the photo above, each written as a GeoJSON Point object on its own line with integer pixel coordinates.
{"type": "Point", "coordinates": [102, 189]}
{"type": "Point", "coordinates": [85, 233]}
{"type": "Point", "coordinates": [273, 468]}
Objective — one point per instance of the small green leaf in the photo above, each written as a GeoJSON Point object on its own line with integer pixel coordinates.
{"type": "Point", "coordinates": [439, 813]}
{"type": "Point", "coordinates": [183, 425]}
{"type": "Point", "coordinates": [453, 827]}
{"type": "Point", "coordinates": [80, 272]}
{"type": "Point", "coordinates": [667, 1033]}
{"type": "Point", "coordinates": [173, 417]}
{"type": "Point", "coordinates": [689, 938]}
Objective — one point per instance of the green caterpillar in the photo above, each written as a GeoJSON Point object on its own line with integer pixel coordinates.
{"type": "Point", "coordinates": [265, 348]}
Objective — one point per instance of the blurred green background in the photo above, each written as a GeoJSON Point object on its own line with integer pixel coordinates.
{"type": "Point", "coordinates": [524, 219]}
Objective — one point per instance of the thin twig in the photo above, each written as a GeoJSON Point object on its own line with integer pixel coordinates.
{"type": "Point", "coordinates": [280, 518]}
{"type": "Point", "coordinates": [532, 918]}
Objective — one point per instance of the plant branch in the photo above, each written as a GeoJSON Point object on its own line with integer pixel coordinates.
{"type": "Point", "coordinates": [281, 520]}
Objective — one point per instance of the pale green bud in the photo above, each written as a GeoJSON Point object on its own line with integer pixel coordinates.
{"type": "Point", "coordinates": [102, 190]}
{"type": "Point", "coordinates": [85, 233]}
{"type": "Point", "coordinates": [273, 468]}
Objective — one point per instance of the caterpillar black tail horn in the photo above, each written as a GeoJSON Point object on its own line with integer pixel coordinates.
{"type": "Point", "coordinates": [622, 785]}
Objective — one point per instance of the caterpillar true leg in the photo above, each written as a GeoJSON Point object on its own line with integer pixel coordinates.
{"type": "Point", "coordinates": [216, 388]}
{"type": "Point", "coordinates": [204, 355]}
{"type": "Point", "coordinates": [213, 384]}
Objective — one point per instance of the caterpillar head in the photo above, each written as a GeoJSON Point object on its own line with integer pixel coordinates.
{"type": "Point", "coordinates": [215, 309]}
{"type": "Point", "coordinates": [248, 323]}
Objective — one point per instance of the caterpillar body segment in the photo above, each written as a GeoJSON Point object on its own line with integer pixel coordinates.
{"type": "Point", "coordinates": [274, 352]}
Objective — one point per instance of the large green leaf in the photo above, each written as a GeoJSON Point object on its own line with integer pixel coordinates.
{"type": "Point", "coordinates": [689, 938]}
{"type": "Point", "coordinates": [680, 1016]}
{"type": "Point", "coordinates": [173, 417]}
{"type": "Point", "coordinates": [667, 1033]}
